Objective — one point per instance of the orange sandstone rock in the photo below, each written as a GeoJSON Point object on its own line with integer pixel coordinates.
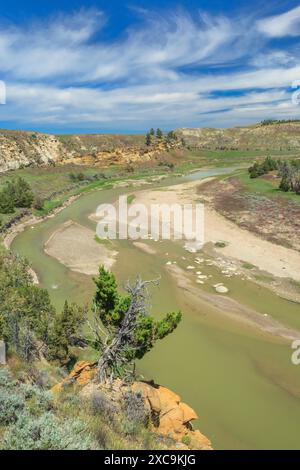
{"type": "Point", "coordinates": [174, 416]}
{"type": "Point", "coordinates": [81, 374]}
{"type": "Point", "coordinates": [199, 441]}
{"type": "Point", "coordinates": [170, 416]}
{"type": "Point", "coordinates": [188, 413]}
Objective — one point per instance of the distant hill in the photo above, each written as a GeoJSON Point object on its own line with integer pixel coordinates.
{"type": "Point", "coordinates": [25, 148]}
{"type": "Point", "coordinates": [274, 136]}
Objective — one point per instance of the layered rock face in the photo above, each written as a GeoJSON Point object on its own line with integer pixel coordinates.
{"type": "Point", "coordinates": [23, 148]}
{"type": "Point", "coordinates": [170, 417]}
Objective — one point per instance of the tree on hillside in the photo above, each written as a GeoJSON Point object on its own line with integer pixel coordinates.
{"type": "Point", "coordinates": [38, 203]}
{"type": "Point", "coordinates": [152, 132]}
{"type": "Point", "coordinates": [6, 202]}
{"type": "Point", "coordinates": [259, 169]}
{"type": "Point", "coordinates": [284, 185]}
{"type": "Point", "coordinates": [21, 192]}
{"type": "Point", "coordinates": [297, 185]}
{"type": "Point", "coordinates": [286, 171]}
{"type": "Point", "coordinates": [65, 330]}
{"type": "Point", "coordinates": [29, 323]}
{"type": "Point", "coordinates": [123, 329]}
{"type": "Point", "coordinates": [16, 193]}
{"type": "Point", "coordinates": [148, 139]}
{"type": "Point", "coordinates": [159, 133]}
{"type": "Point", "coordinates": [26, 318]}
{"type": "Point", "coordinates": [171, 136]}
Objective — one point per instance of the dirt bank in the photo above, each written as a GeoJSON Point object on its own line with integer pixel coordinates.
{"type": "Point", "coordinates": [33, 220]}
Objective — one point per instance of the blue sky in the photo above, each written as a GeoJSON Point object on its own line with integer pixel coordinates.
{"type": "Point", "coordinates": [95, 66]}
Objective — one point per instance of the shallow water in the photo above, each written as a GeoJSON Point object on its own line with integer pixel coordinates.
{"type": "Point", "coordinates": [241, 383]}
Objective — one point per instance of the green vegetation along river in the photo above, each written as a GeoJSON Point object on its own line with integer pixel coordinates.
{"type": "Point", "coordinates": [241, 383]}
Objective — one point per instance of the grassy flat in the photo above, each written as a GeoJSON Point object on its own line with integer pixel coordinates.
{"type": "Point", "coordinates": [265, 187]}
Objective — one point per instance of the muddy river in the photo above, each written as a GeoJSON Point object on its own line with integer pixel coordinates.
{"type": "Point", "coordinates": [241, 382]}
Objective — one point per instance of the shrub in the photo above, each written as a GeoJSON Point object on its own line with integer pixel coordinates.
{"type": "Point", "coordinates": [129, 428]}
{"type": "Point", "coordinates": [186, 440]}
{"type": "Point", "coordinates": [284, 185]}
{"type": "Point", "coordinates": [14, 397]}
{"type": "Point", "coordinates": [77, 176]}
{"type": "Point", "coordinates": [259, 169]}
{"type": "Point", "coordinates": [297, 186]}
{"type": "Point", "coordinates": [102, 405]}
{"type": "Point", "coordinates": [47, 432]}
{"type": "Point", "coordinates": [38, 400]}
{"type": "Point", "coordinates": [38, 203]}
{"type": "Point", "coordinates": [11, 404]}
{"type": "Point", "coordinates": [220, 244]}
{"type": "Point", "coordinates": [6, 379]}
{"type": "Point", "coordinates": [134, 408]}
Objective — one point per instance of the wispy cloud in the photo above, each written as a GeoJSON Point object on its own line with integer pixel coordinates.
{"type": "Point", "coordinates": [171, 70]}
{"type": "Point", "coordinates": [286, 24]}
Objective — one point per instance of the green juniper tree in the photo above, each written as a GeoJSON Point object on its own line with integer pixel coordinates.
{"type": "Point", "coordinates": [123, 329]}
{"type": "Point", "coordinates": [20, 192]}
{"type": "Point", "coordinates": [148, 139]}
{"type": "Point", "coordinates": [29, 323]}
{"type": "Point", "coordinates": [286, 172]}
{"type": "Point", "coordinates": [6, 202]}
{"type": "Point", "coordinates": [65, 331]}
{"type": "Point", "coordinates": [171, 136]}
{"type": "Point", "coordinates": [259, 169]}
{"type": "Point", "coordinates": [159, 133]}
{"type": "Point", "coordinates": [16, 193]}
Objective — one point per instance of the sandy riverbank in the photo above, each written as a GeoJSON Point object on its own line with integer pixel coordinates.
{"type": "Point", "coordinates": [75, 246]}
{"type": "Point", "coordinates": [240, 244]}
{"type": "Point", "coordinates": [224, 305]}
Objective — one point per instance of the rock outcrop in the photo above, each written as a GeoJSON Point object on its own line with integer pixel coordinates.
{"type": "Point", "coordinates": [81, 374]}
{"type": "Point", "coordinates": [170, 417]}
{"type": "Point", "coordinates": [24, 148]}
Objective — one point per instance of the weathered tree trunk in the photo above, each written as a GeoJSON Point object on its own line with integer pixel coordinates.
{"type": "Point", "coordinates": [2, 353]}
{"type": "Point", "coordinates": [114, 355]}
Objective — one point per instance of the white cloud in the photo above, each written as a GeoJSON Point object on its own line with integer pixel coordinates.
{"type": "Point", "coordinates": [64, 47]}
{"type": "Point", "coordinates": [286, 24]}
{"type": "Point", "coordinates": [165, 72]}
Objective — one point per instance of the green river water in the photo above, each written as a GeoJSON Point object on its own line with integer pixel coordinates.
{"type": "Point", "coordinates": [241, 383]}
